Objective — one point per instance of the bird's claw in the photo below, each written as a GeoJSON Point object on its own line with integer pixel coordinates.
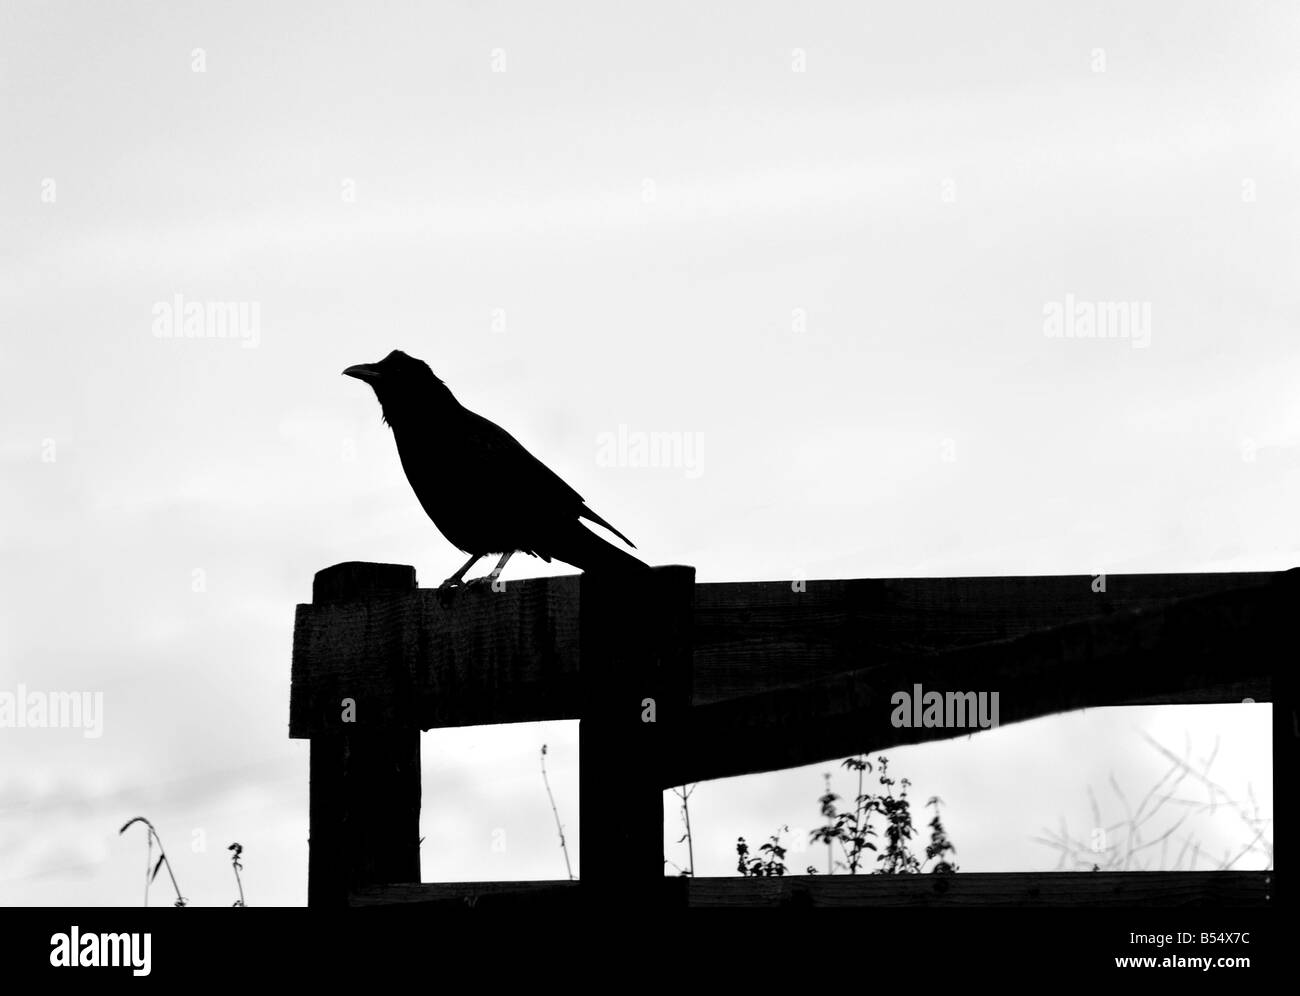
{"type": "Point", "coordinates": [451, 584]}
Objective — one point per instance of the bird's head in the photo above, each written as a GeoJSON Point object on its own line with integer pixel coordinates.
{"type": "Point", "coordinates": [404, 385]}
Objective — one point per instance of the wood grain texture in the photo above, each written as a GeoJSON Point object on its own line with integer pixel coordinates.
{"type": "Point", "coordinates": [755, 635]}
{"type": "Point", "coordinates": [435, 658]}
{"type": "Point", "coordinates": [547, 896]}
{"type": "Point", "coordinates": [355, 579]}
{"type": "Point", "coordinates": [636, 652]}
{"type": "Point", "coordinates": [1218, 890]}
{"type": "Point", "coordinates": [783, 677]}
{"type": "Point", "coordinates": [364, 812]}
{"type": "Point", "coordinates": [364, 806]}
{"type": "Point", "coordinates": [1214, 647]}
{"type": "Point", "coordinates": [1286, 752]}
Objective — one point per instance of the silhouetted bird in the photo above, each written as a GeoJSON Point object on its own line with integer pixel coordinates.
{"type": "Point", "coordinates": [482, 489]}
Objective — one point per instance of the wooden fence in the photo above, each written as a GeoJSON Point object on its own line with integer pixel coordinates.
{"type": "Point", "coordinates": [675, 682]}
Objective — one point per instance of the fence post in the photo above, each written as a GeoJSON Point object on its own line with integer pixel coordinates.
{"type": "Point", "coordinates": [636, 650]}
{"type": "Point", "coordinates": [1285, 891]}
{"type": "Point", "coordinates": [365, 784]}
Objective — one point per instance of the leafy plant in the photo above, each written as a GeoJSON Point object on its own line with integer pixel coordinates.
{"type": "Point", "coordinates": [853, 829]}
{"type": "Point", "coordinates": [858, 837]}
{"type": "Point", "coordinates": [850, 829]}
{"type": "Point", "coordinates": [770, 861]}
{"type": "Point", "coordinates": [939, 843]}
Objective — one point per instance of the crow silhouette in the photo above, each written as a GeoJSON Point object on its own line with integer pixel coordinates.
{"type": "Point", "coordinates": [482, 489]}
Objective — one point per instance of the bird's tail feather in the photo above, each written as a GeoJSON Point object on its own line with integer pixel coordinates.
{"type": "Point", "coordinates": [587, 513]}
{"type": "Point", "coordinates": [588, 552]}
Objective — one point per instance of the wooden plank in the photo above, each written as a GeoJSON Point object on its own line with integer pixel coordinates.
{"type": "Point", "coordinates": [1211, 889]}
{"type": "Point", "coordinates": [636, 654]}
{"type": "Point", "coordinates": [549, 896]}
{"type": "Point", "coordinates": [473, 656]}
{"type": "Point", "coordinates": [1217, 890]}
{"type": "Point", "coordinates": [1286, 754]}
{"type": "Point", "coordinates": [433, 658]}
{"type": "Point", "coordinates": [364, 813]}
{"type": "Point", "coordinates": [356, 579]}
{"type": "Point", "coordinates": [430, 658]}
{"type": "Point", "coordinates": [752, 636]}
{"type": "Point", "coordinates": [364, 807]}
{"type": "Point", "coordinates": [1195, 649]}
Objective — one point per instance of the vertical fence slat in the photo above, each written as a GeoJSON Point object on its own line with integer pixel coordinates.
{"type": "Point", "coordinates": [636, 671]}
{"type": "Point", "coordinates": [1286, 744]}
{"type": "Point", "coordinates": [365, 785]}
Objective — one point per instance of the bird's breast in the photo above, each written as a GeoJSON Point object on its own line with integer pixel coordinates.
{"type": "Point", "coordinates": [473, 513]}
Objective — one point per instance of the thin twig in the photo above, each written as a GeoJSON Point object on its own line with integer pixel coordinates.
{"type": "Point", "coordinates": [162, 859]}
{"type": "Point", "coordinates": [684, 793]}
{"type": "Point", "coordinates": [234, 860]}
{"type": "Point", "coordinates": [1123, 855]}
{"type": "Point", "coordinates": [558, 825]}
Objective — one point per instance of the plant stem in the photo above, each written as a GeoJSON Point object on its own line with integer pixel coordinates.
{"type": "Point", "coordinates": [853, 868]}
{"type": "Point", "coordinates": [163, 854]}
{"type": "Point", "coordinates": [162, 858]}
{"type": "Point", "coordinates": [686, 815]}
{"type": "Point", "coordinates": [558, 826]}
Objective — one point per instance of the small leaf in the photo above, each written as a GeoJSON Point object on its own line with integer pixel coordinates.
{"type": "Point", "coordinates": [158, 867]}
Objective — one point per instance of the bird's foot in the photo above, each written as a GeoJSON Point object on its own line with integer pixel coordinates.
{"type": "Point", "coordinates": [451, 583]}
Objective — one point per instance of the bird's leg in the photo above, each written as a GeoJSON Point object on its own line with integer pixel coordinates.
{"type": "Point", "coordinates": [495, 573]}
{"type": "Point", "coordinates": [456, 578]}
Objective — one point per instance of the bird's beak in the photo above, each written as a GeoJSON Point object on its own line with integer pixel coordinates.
{"type": "Point", "coordinates": [369, 372]}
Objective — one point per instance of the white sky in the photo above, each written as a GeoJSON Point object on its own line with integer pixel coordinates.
{"type": "Point", "coordinates": [524, 190]}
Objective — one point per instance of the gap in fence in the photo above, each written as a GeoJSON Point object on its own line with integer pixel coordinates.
{"type": "Point", "coordinates": [486, 816]}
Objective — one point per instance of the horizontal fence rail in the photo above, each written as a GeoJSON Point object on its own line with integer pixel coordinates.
{"type": "Point", "coordinates": [819, 666]}
{"type": "Point", "coordinates": [964, 889]}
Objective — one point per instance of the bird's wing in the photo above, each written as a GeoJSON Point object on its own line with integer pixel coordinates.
{"type": "Point", "coordinates": [500, 456]}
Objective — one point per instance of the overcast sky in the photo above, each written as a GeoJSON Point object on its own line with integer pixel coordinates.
{"type": "Point", "coordinates": [819, 238]}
